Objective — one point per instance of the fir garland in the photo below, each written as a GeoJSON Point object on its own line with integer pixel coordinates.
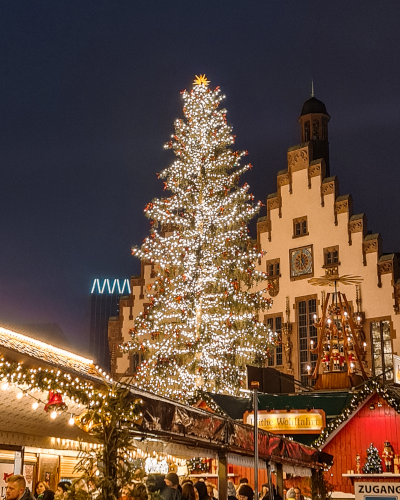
{"type": "Point", "coordinates": [371, 386]}
{"type": "Point", "coordinates": [79, 391]}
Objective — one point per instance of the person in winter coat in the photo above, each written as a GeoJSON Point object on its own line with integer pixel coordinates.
{"type": "Point", "coordinates": [231, 491]}
{"type": "Point", "coordinates": [245, 492]}
{"type": "Point", "coordinates": [41, 487]}
{"type": "Point", "coordinates": [48, 495]}
{"type": "Point", "coordinates": [155, 482]}
{"type": "Point", "coordinates": [202, 490]}
{"type": "Point", "coordinates": [17, 490]}
{"type": "Point", "coordinates": [62, 490]}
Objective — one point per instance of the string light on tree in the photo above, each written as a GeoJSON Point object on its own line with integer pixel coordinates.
{"type": "Point", "coordinates": [201, 327]}
{"type": "Point", "coordinates": [373, 464]}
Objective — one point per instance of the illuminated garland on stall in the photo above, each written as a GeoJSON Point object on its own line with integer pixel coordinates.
{"type": "Point", "coordinates": [371, 386]}
{"type": "Point", "coordinates": [198, 465]}
{"type": "Point", "coordinates": [30, 380]}
{"type": "Point", "coordinates": [202, 324]}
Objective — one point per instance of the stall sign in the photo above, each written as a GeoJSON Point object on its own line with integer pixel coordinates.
{"type": "Point", "coordinates": [376, 491]}
{"type": "Point", "coordinates": [396, 369]}
{"type": "Point", "coordinates": [153, 466]}
{"type": "Point", "coordinates": [288, 422]}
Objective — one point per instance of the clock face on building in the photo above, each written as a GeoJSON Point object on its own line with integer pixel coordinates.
{"type": "Point", "coordinates": [301, 261]}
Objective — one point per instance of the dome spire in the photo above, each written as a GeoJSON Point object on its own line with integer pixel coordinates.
{"type": "Point", "coordinates": [314, 120]}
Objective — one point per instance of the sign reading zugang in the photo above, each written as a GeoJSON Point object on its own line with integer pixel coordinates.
{"type": "Point", "coordinates": [292, 422]}
{"type": "Point", "coordinates": [376, 491]}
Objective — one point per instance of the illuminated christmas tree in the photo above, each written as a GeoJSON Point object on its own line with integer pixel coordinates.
{"type": "Point", "coordinates": [202, 325]}
{"type": "Point", "coordinates": [373, 465]}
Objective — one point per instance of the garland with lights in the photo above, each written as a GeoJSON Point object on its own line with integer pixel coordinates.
{"type": "Point", "coordinates": [202, 324]}
{"type": "Point", "coordinates": [109, 415]}
{"type": "Point", "coordinates": [198, 465]}
{"type": "Point", "coordinates": [370, 386]}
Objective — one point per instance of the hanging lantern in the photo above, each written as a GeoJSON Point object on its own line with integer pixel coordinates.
{"type": "Point", "coordinates": [55, 402]}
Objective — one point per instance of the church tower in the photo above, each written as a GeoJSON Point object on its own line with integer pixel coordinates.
{"type": "Point", "coordinates": [314, 120]}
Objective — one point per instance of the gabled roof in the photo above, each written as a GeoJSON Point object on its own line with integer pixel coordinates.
{"type": "Point", "coordinates": [29, 346]}
{"type": "Point", "coordinates": [339, 406]}
{"type": "Point", "coordinates": [49, 333]}
{"type": "Point", "coordinates": [331, 402]}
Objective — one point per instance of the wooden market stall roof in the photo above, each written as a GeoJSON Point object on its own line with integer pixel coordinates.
{"type": "Point", "coordinates": [338, 405]}
{"type": "Point", "coordinates": [22, 344]}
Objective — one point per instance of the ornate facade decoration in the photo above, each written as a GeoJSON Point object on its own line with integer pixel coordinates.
{"type": "Point", "coordinates": [344, 204]}
{"type": "Point", "coordinates": [328, 186]}
{"type": "Point", "coordinates": [274, 284]}
{"type": "Point", "coordinates": [287, 341]}
{"type": "Point", "coordinates": [299, 157]}
{"type": "Point", "coordinates": [273, 202]}
{"type": "Point", "coordinates": [371, 243]}
{"type": "Point", "coordinates": [283, 179]}
{"type": "Point", "coordinates": [357, 223]}
{"type": "Point", "coordinates": [396, 294]}
{"type": "Point", "coordinates": [314, 169]}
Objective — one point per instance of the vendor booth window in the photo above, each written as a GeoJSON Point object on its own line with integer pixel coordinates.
{"type": "Point", "coordinates": [275, 325]}
{"type": "Point", "coordinates": [382, 352]}
{"type": "Point", "coordinates": [306, 308]}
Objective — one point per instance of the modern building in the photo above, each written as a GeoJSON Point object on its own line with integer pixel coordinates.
{"type": "Point", "coordinates": [310, 231]}
{"type": "Point", "coordinates": [104, 304]}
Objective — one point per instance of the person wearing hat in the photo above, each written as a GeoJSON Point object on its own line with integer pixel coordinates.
{"type": "Point", "coordinates": [245, 492]}
{"type": "Point", "coordinates": [172, 482]}
{"type": "Point", "coordinates": [201, 488]}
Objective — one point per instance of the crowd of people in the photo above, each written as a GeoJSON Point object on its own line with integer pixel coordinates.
{"type": "Point", "coordinates": [155, 487]}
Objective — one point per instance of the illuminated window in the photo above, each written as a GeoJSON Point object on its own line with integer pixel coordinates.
{"type": "Point", "coordinates": [382, 352]}
{"type": "Point", "coordinates": [274, 323]}
{"type": "Point", "coordinates": [307, 332]}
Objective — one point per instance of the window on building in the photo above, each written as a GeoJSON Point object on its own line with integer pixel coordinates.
{"type": "Point", "coordinates": [273, 268]}
{"type": "Point", "coordinates": [300, 227]}
{"type": "Point", "coordinates": [382, 352]}
{"type": "Point", "coordinates": [315, 127]}
{"type": "Point", "coordinates": [274, 323]}
{"type": "Point", "coordinates": [134, 362]}
{"type": "Point", "coordinates": [331, 256]}
{"type": "Point", "coordinates": [307, 331]}
{"type": "Point", "coordinates": [324, 131]}
{"type": "Point", "coordinates": [307, 131]}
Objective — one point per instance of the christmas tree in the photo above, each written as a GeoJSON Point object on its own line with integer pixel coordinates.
{"type": "Point", "coordinates": [202, 324]}
{"type": "Point", "coordinates": [373, 465]}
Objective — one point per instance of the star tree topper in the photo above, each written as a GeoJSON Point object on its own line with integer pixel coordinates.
{"type": "Point", "coordinates": [201, 80]}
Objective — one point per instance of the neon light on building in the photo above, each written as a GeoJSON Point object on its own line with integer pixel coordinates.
{"type": "Point", "coordinates": [110, 287]}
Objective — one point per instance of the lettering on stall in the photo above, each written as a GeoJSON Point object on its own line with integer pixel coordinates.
{"type": "Point", "coordinates": [295, 421]}
{"type": "Point", "coordinates": [376, 491]}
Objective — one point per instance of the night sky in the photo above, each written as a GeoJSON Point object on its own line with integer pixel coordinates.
{"type": "Point", "coordinates": [89, 94]}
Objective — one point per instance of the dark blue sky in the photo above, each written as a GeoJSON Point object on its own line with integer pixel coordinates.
{"type": "Point", "coordinates": [89, 92]}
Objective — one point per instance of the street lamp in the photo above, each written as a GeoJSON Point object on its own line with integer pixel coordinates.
{"type": "Point", "coordinates": [254, 385]}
